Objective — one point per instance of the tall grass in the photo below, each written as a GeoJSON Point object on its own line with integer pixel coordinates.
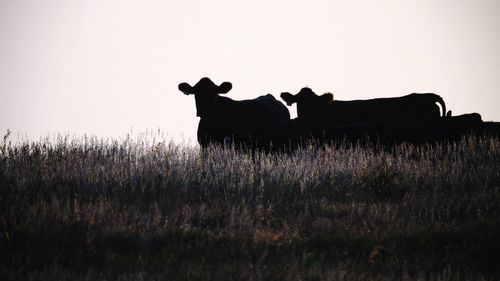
{"type": "Point", "coordinates": [150, 209]}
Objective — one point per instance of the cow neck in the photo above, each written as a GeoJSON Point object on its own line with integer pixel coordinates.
{"type": "Point", "coordinates": [224, 109]}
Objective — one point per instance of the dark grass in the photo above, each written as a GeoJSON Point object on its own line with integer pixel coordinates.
{"type": "Point", "coordinates": [142, 209]}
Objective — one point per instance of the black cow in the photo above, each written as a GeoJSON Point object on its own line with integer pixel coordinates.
{"type": "Point", "coordinates": [449, 128]}
{"type": "Point", "coordinates": [315, 108]}
{"type": "Point", "coordinates": [455, 127]}
{"type": "Point", "coordinates": [223, 120]}
{"type": "Point", "coordinates": [384, 115]}
{"type": "Point", "coordinates": [491, 128]}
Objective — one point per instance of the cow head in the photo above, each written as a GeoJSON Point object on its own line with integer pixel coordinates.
{"type": "Point", "coordinates": [307, 101]}
{"type": "Point", "coordinates": [205, 93]}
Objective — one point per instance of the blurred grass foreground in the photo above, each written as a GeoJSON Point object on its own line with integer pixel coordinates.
{"type": "Point", "coordinates": [147, 209]}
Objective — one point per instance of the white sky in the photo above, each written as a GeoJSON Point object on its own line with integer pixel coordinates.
{"type": "Point", "coordinates": [105, 67]}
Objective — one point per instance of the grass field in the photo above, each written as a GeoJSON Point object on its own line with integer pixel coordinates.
{"type": "Point", "coordinates": [144, 209]}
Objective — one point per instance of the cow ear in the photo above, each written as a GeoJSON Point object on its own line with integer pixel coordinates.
{"type": "Point", "coordinates": [288, 98]}
{"type": "Point", "coordinates": [328, 97]}
{"type": "Point", "coordinates": [186, 88]}
{"type": "Point", "coordinates": [225, 87]}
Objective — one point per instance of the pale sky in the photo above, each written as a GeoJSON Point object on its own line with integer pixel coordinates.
{"type": "Point", "coordinates": [104, 67]}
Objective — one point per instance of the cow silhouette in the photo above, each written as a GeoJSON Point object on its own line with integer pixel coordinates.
{"type": "Point", "coordinates": [389, 117]}
{"type": "Point", "coordinates": [455, 127]}
{"type": "Point", "coordinates": [491, 128]}
{"type": "Point", "coordinates": [313, 107]}
{"type": "Point", "coordinates": [248, 123]}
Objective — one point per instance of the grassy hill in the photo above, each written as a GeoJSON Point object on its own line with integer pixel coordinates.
{"type": "Point", "coordinates": [141, 209]}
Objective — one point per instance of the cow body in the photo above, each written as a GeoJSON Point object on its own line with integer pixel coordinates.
{"type": "Point", "coordinates": [385, 118]}
{"type": "Point", "coordinates": [324, 109]}
{"type": "Point", "coordinates": [227, 121]}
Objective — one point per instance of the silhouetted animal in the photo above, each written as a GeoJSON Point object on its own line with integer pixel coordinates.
{"type": "Point", "coordinates": [223, 120]}
{"type": "Point", "coordinates": [491, 128]}
{"type": "Point", "coordinates": [449, 128]}
{"type": "Point", "coordinates": [384, 115]}
{"type": "Point", "coordinates": [317, 108]}
{"type": "Point", "coordinates": [454, 127]}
